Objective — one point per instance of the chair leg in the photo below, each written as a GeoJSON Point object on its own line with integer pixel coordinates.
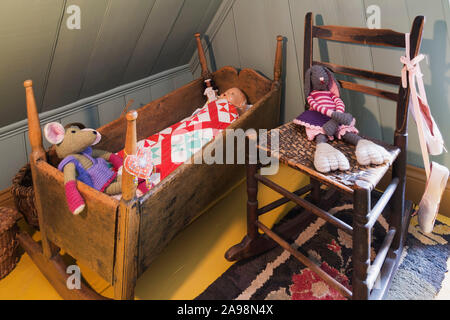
{"type": "Point", "coordinates": [315, 192]}
{"type": "Point", "coordinates": [398, 198]}
{"type": "Point", "coordinates": [253, 243]}
{"type": "Point", "coordinates": [361, 241]}
{"type": "Point", "coordinates": [252, 201]}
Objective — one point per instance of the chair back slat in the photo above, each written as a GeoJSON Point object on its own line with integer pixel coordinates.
{"type": "Point", "coordinates": [379, 37]}
{"type": "Point", "coordinates": [361, 73]}
{"type": "Point", "coordinates": [365, 36]}
{"type": "Point", "coordinates": [369, 90]}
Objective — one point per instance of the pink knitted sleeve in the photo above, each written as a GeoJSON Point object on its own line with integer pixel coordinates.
{"type": "Point", "coordinates": [116, 161]}
{"type": "Point", "coordinates": [340, 106]}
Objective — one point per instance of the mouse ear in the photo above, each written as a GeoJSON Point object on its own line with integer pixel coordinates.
{"type": "Point", "coordinates": [54, 132]}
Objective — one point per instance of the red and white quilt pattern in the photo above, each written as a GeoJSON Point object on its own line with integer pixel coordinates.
{"type": "Point", "coordinates": [176, 144]}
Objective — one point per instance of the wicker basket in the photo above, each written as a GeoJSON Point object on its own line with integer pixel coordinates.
{"type": "Point", "coordinates": [23, 193]}
{"type": "Point", "coordinates": [9, 255]}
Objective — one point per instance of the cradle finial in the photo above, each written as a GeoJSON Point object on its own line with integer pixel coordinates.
{"type": "Point", "coordinates": [34, 127]}
{"type": "Point", "coordinates": [278, 60]}
{"type": "Point", "coordinates": [202, 58]}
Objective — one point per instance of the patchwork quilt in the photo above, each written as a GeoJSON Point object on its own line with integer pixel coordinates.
{"type": "Point", "coordinates": [176, 144]}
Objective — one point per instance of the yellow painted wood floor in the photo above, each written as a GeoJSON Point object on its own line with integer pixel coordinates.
{"type": "Point", "coordinates": [191, 262]}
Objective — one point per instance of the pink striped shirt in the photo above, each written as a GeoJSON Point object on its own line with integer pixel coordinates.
{"type": "Point", "coordinates": [325, 102]}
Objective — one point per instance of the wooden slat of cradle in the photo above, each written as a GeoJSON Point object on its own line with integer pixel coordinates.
{"type": "Point", "coordinates": [369, 90]}
{"type": "Point", "coordinates": [380, 37]}
{"type": "Point", "coordinates": [360, 73]}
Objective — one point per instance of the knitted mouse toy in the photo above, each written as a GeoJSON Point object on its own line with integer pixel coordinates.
{"type": "Point", "coordinates": [81, 162]}
{"type": "Point", "coordinates": [327, 119]}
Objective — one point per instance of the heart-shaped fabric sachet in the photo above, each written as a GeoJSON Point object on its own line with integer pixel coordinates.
{"type": "Point", "coordinates": [140, 165]}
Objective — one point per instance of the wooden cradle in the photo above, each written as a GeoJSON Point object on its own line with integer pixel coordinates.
{"type": "Point", "coordinates": [119, 239]}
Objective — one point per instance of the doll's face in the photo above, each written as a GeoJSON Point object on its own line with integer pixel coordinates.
{"type": "Point", "coordinates": [236, 97]}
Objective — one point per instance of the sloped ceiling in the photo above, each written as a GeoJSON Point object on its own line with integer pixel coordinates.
{"type": "Point", "coordinates": [119, 41]}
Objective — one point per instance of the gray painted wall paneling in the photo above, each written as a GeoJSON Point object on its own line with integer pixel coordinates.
{"type": "Point", "coordinates": [162, 88]}
{"type": "Point", "coordinates": [364, 108]}
{"type": "Point", "coordinates": [185, 26]}
{"type": "Point", "coordinates": [121, 29]}
{"type": "Point", "coordinates": [141, 97]}
{"type": "Point", "coordinates": [111, 110]}
{"type": "Point", "coordinates": [210, 11]}
{"type": "Point", "coordinates": [72, 54]}
{"type": "Point", "coordinates": [160, 22]}
{"type": "Point", "coordinates": [28, 32]}
{"type": "Point", "coordinates": [14, 147]}
{"type": "Point", "coordinates": [119, 42]}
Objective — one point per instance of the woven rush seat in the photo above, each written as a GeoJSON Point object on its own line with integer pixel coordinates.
{"type": "Point", "coordinates": [296, 151]}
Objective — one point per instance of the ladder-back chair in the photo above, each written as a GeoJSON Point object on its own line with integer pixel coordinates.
{"type": "Point", "coordinates": [358, 182]}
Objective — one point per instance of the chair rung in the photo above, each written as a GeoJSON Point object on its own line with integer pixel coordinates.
{"type": "Point", "coordinates": [306, 204]}
{"type": "Point", "coordinates": [375, 268]}
{"type": "Point", "coordinates": [280, 202]}
{"type": "Point", "coordinates": [325, 276]}
{"type": "Point", "coordinates": [382, 202]}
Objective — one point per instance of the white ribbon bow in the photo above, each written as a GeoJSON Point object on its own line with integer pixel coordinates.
{"type": "Point", "coordinates": [412, 66]}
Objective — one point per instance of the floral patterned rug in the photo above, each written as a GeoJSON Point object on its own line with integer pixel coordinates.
{"type": "Point", "coordinates": [276, 275]}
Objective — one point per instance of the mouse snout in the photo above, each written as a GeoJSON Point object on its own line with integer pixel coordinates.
{"type": "Point", "coordinates": [97, 135]}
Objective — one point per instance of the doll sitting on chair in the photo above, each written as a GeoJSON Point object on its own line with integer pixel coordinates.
{"type": "Point", "coordinates": [326, 119]}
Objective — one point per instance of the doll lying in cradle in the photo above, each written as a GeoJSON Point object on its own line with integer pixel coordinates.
{"type": "Point", "coordinates": [176, 144]}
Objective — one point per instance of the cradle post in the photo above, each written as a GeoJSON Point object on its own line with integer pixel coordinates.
{"type": "Point", "coordinates": [126, 263]}
{"type": "Point", "coordinates": [278, 60]}
{"type": "Point", "coordinates": [206, 74]}
{"type": "Point", "coordinates": [37, 154]}
{"type": "Point", "coordinates": [34, 126]}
